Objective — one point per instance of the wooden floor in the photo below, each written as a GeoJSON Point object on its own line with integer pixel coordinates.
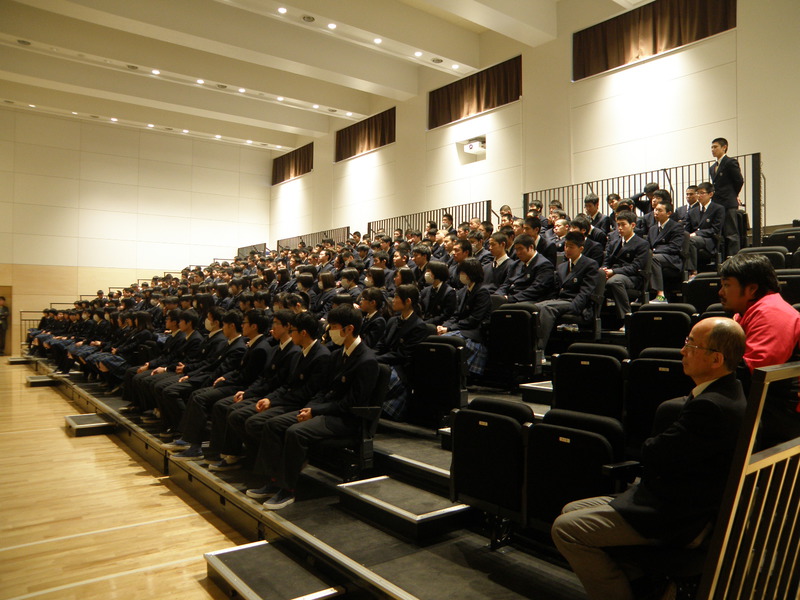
{"type": "Point", "coordinates": [84, 518]}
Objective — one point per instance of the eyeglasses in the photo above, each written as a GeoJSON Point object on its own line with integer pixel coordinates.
{"type": "Point", "coordinates": [686, 344]}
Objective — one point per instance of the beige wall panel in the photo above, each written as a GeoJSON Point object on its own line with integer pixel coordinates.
{"type": "Point", "coordinates": [44, 190]}
{"type": "Point", "coordinates": [6, 217]}
{"type": "Point", "coordinates": [7, 180]}
{"type": "Point", "coordinates": [256, 162]}
{"type": "Point", "coordinates": [249, 234]}
{"type": "Point", "coordinates": [160, 255]}
{"type": "Point", "coordinates": [45, 250]}
{"type": "Point", "coordinates": [213, 206]}
{"type": "Point", "coordinates": [215, 155]}
{"type": "Point", "coordinates": [156, 174]}
{"type": "Point", "coordinates": [254, 210]}
{"type": "Point", "coordinates": [6, 249]}
{"type": "Point", "coordinates": [114, 197]}
{"type": "Point", "coordinates": [101, 224]}
{"type": "Point", "coordinates": [215, 181]}
{"type": "Point", "coordinates": [7, 125]}
{"type": "Point", "coordinates": [6, 273]}
{"type": "Point", "coordinates": [166, 148]}
{"type": "Point", "coordinates": [106, 253]}
{"type": "Point", "coordinates": [110, 139]}
{"type": "Point", "coordinates": [6, 156]}
{"type": "Point", "coordinates": [173, 230]}
{"type": "Point", "coordinates": [254, 185]}
{"type": "Point", "coordinates": [161, 201]}
{"type": "Point", "coordinates": [48, 131]}
{"type": "Point", "coordinates": [45, 220]}
{"type": "Point", "coordinates": [92, 279]}
{"type": "Point", "coordinates": [45, 160]}
{"type": "Point", "coordinates": [109, 168]}
{"type": "Point", "coordinates": [34, 279]}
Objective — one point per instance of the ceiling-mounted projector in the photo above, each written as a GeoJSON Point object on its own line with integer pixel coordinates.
{"type": "Point", "coordinates": [475, 147]}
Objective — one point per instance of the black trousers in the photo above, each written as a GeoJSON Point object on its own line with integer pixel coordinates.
{"type": "Point", "coordinates": [198, 410]}
{"type": "Point", "coordinates": [660, 265]}
{"type": "Point", "coordinates": [285, 443]}
{"type": "Point", "coordinates": [617, 287]}
{"type": "Point", "coordinates": [549, 311]}
{"type": "Point", "coordinates": [171, 400]}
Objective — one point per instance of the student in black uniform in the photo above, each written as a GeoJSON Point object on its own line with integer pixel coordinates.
{"type": "Point", "coordinates": [626, 257]}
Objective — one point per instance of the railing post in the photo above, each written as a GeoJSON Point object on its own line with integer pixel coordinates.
{"type": "Point", "coordinates": [755, 182]}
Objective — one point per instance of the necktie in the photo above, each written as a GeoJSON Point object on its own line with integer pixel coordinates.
{"type": "Point", "coordinates": [569, 267]}
{"type": "Point", "coordinates": [714, 169]}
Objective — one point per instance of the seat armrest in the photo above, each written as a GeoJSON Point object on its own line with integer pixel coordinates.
{"type": "Point", "coordinates": [626, 470]}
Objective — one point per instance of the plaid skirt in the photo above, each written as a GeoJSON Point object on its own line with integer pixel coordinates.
{"type": "Point", "coordinates": [479, 354]}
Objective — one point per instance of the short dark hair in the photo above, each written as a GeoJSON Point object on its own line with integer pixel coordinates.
{"type": "Point", "coordinates": [233, 317]}
{"type": "Point", "coordinates": [707, 186]}
{"type": "Point", "coordinates": [306, 322]}
{"type": "Point", "coordinates": [500, 237]}
{"type": "Point", "coordinates": [533, 223]}
{"type": "Point", "coordinates": [409, 291]}
{"type": "Point", "coordinates": [523, 240]}
{"type": "Point", "coordinates": [190, 316]}
{"type": "Point", "coordinates": [751, 268]}
{"type": "Point", "coordinates": [591, 199]}
{"type": "Point", "coordinates": [472, 268]}
{"type": "Point", "coordinates": [663, 196]}
{"type": "Point", "coordinates": [465, 246]}
{"type": "Point", "coordinates": [721, 141]}
{"type": "Point", "coordinates": [258, 318]}
{"type": "Point", "coordinates": [581, 222]}
{"type": "Point", "coordinates": [422, 250]}
{"type": "Point", "coordinates": [650, 188]}
{"type": "Point", "coordinates": [576, 238]}
{"type": "Point", "coordinates": [349, 273]}
{"type": "Point", "coordinates": [344, 315]}
{"type": "Point", "coordinates": [439, 270]}
{"type": "Point", "coordinates": [626, 215]}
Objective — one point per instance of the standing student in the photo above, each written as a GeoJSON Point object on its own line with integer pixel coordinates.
{"type": "Point", "coordinates": [726, 175]}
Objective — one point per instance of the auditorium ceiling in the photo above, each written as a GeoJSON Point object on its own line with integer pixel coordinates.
{"type": "Point", "coordinates": [267, 73]}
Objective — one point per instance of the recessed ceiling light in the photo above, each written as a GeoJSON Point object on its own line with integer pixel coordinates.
{"type": "Point", "coordinates": [156, 72]}
{"type": "Point", "coordinates": [279, 147]}
{"type": "Point", "coordinates": [280, 98]}
{"type": "Point", "coordinates": [201, 81]}
{"type": "Point", "coordinates": [34, 106]}
{"type": "Point", "coordinates": [114, 119]}
{"type": "Point", "coordinates": [74, 113]}
{"type": "Point", "coordinates": [377, 40]}
{"type": "Point", "coordinates": [308, 18]}
{"type": "Point", "coordinates": [242, 90]}
{"type": "Point", "coordinates": [331, 26]}
{"type": "Point", "coordinates": [249, 141]}
{"type": "Point", "coordinates": [315, 106]}
{"type": "Point", "coordinates": [417, 53]}
{"type": "Point", "coordinates": [282, 10]}
{"type": "Point", "coordinates": [150, 125]}
{"type": "Point", "coordinates": [349, 114]}
{"type": "Point", "coordinates": [218, 136]}
{"type": "Point", "coordinates": [185, 131]}
{"type": "Point", "coordinates": [455, 66]}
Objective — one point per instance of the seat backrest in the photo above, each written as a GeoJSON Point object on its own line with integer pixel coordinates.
{"type": "Point", "coordinates": [661, 353]}
{"type": "Point", "coordinates": [589, 383]}
{"type": "Point", "coordinates": [672, 306]}
{"type": "Point", "coordinates": [488, 463]}
{"type": "Point", "coordinates": [790, 287]}
{"type": "Point", "coordinates": [701, 292]}
{"type": "Point", "coordinates": [776, 257]}
{"type": "Point", "coordinates": [563, 464]}
{"type": "Point", "coordinates": [618, 352]}
{"type": "Point", "coordinates": [609, 428]}
{"type": "Point", "coordinates": [789, 238]}
{"type": "Point", "coordinates": [438, 379]}
{"type": "Point", "coordinates": [514, 409]}
{"type": "Point", "coordinates": [663, 329]}
{"type": "Point", "coordinates": [648, 383]}
{"type": "Point", "coordinates": [512, 336]}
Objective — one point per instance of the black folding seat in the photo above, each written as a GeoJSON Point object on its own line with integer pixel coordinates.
{"type": "Point", "coordinates": [662, 353]}
{"type": "Point", "coordinates": [702, 291]}
{"type": "Point", "coordinates": [777, 255]}
{"type": "Point", "coordinates": [663, 329]}
{"type": "Point", "coordinates": [790, 286]}
{"type": "Point", "coordinates": [588, 328]}
{"type": "Point", "coordinates": [714, 310]}
{"type": "Point", "coordinates": [488, 465]}
{"type": "Point", "coordinates": [648, 383]}
{"type": "Point", "coordinates": [513, 342]}
{"type": "Point", "coordinates": [350, 456]}
{"type": "Point", "coordinates": [589, 382]}
{"type": "Point", "coordinates": [789, 238]}
{"type": "Point", "coordinates": [565, 458]}
{"type": "Point", "coordinates": [438, 379]}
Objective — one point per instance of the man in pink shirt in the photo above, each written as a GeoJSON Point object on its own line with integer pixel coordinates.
{"type": "Point", "coordinates": [749, 288]}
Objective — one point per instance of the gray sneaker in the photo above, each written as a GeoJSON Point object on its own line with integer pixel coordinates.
{"type": "Point", "coordinates": [280, 500]}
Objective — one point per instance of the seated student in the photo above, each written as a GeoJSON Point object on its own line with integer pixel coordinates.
{"type": "Point", "coordinates": [473, 308]}
{"type": "Point", "coordinates": [403, 333]}
{"type": "Point", "coordinates": [462, 250]}
{"type": "Point", "coordinates": [591, 206]}
{"type": "Point", "coordinates": [591, 248]}
{"type": "Point", "coordinates": [532, 278]}
{"type": "Point", "coordinates": [348, 283]}
{"type": "Point", "coordinates": [681, 212]}
{"type": "Point", "coordinates": [576, 279]}
{"type": "Point", "coordinates": [479, 252]}
{"type": "Point", "coordinates": [666, 240]}
{"type": "Point", "coordinates": [171, 399]}
{"type": "Point", "coordinates": [323, 300]}
{"type": "Point", "coordinates": [704, 224]}
{"type": "Point", "coordinates": [380, 260]}
{"type": "Point", "coordinates": [560, 229]}
{"type": "Point", "coordinates": [376, 278]}
{"type": "Point", "coordinates": [437, 299]}
{"type": "Point", "coordinates": [749, 288]}
{"type": "Point", "coordinates": [532, 226]}
{"type": "Point", "coordinates": [685, 471]}
{"type": "Point", "coordinates": [496, 272]}
{"type": "Point", "coordinates": [288, 438]}
{"type": "Point", "coordinates": [201, 401]}
{"type": "Point", "coordinates": [115, 364]}
{"type": "Point", "coordinates": [421, 256]}
{"type": "Point", "coordinates": [404, 276]}
{"type": "Point", "coordinates": [372, 305]}
{"type": "Point", "coordinates": [646, 221]}
{"type": "Point", "coordinates": [626, 256]}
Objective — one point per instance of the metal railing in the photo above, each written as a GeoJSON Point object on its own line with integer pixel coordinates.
{"type": "Point", "coordinates": [755, 548]}
{"type": "Point", "coordinates": [244, 251]}
{"type": "Point", "coordinates": [419, 221]}
{"type": "Point", "coordinates": [28, 319]}
{"type": "Point", "coordinates": [673, 179]}
{"type": "Point", "coordinates": [337, 234]}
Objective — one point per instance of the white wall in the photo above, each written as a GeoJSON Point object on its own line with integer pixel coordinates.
{"type": "Point", "coordinates": [75, 193]}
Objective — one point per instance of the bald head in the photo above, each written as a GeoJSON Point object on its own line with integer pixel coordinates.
{"type": "Point", "coordinates": [715, 347]}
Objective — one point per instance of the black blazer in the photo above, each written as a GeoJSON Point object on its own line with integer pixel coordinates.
{"type": "Point", "coordinates": [708, 225]}
{"type": "Point", "coordinates": [628, 259]}
{"type": "Point", "coordinates": [686, 467]}
{"type": "Point", "coordinates": [400, 338]}
{"type": "Point", "coordinates": [473, 309]}
{"type": "Point", "coordinates": [530, 283]}
{"type": "Point", "coordinates": [251, 365]}
{"type": "Point", "coordinates": [593, 250]}
{"type": "Point", "coordinates": [578, 285]}
{"type": "Point", "coordinates": [227, 359]}
{"type": "Point", "coordinates": [351, 382]}
{"type": "Point", "coordinates": [602, 222]}
{"type": "Point", "coordinates": [494, 277]}
{"type": "Point", "coordinates": [276, 371]}
{"type": "Point", "coordinates": [308, 376]}
{"type": "Point", "coordinates": [209, 350]}
{"type": "Point", "coordinates": [728, 182]}
{"type": "Point", "coordinates": [438, 306]}
{"type": "Point", "coordinates": [372, 330]}
{"type": "Point", "coordinates": [547, 249]}
{"type": "Point", "coordinates": [668, 242]}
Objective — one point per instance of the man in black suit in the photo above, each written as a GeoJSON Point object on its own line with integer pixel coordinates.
{"type": "Point", "coordinates": [496, 272]}
{"type": "Point", "coordinates": [591, 207]}
{"type": "Point", "coordinates": [685, 471]}
{"type": "Point", "coordinates": [643, 200]}
{"type": "Point", "coordinates": [532, 278]}
{"type": "Point", "coordinates": [666, 240]}
{"type": "Point", "coordinates": [626, 257]}
{"type": "Point", "coordinates": [591, 248]}
{"type": "Point", "coordinates": [681, 212]}
{"type": "Point", "coordinates": [726, 175]}
{"type": "Point", "coordinates": [288, 438]}
{"type": "Point", "coordinates": [704, 223]}
{"type": "Point", "coordinates": [576, 279]}
{"type": "Point", "coordinates": [532, 226]}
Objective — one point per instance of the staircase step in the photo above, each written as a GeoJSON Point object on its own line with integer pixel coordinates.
{"type": "Point", "coordinates": [263, 570]}
{"type": "Point", "coordinates": [91, 424]}
{"type": "Point", "coordinates": [401, 508]}
{"type": "Point", "coordinates": [19, 360]}
{"type": "Point", "coordinates": [41, 381]}
{"type": "Point", "coordinates": [537, 392]}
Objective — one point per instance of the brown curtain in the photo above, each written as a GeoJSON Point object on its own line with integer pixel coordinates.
{"type": "Point", "coordinates": [647, 31]}
{"type": "Point", "coordinates": [475, 94]}
{"type": "Point", "coordinates": [374, 132]}
{"type": "Point", "coordinates": [293, 164]}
